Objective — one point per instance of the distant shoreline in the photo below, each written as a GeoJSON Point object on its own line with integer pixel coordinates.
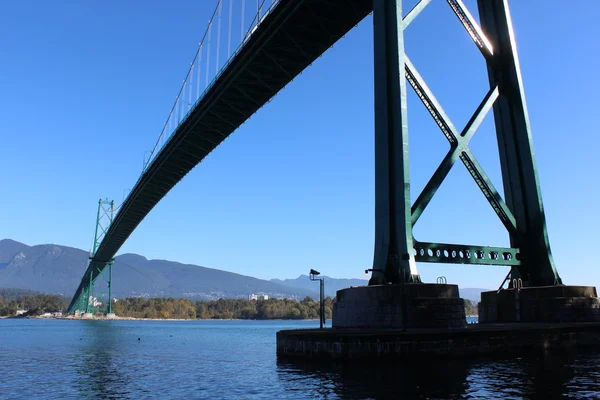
{"type": "Point", "coordinates": [71, 318]}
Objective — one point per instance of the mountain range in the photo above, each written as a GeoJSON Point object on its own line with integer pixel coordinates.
{"type": "Point", "coordinates": [51, 268]}
{"type": "Point", "coordinates": [332, 285]}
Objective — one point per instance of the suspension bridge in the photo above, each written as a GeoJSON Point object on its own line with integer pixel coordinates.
{"type": "Point", "coordinates": [276, 40]}
{"type": "Point", "coordinates": [273, 42]}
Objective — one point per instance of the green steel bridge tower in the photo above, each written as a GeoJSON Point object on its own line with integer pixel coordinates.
{"type": "Point", "coordinates": [521, 211]}
{"type": "Point", "coordinates": [91, 300]}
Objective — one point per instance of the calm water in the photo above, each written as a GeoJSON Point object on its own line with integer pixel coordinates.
{"type": "Point", "coordinates": [58, 359]}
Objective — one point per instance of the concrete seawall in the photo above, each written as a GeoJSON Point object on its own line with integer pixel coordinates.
{"type": "Point", "coordinates": [473, 340]}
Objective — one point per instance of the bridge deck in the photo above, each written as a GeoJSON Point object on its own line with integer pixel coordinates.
{"type": "Point", "coordinates": [288, 40]}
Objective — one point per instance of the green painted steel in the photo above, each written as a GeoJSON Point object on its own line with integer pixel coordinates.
{"type": "Point", "coordinates": [90, 291]}
{"type": "Point", "coordinates": [393, 261]}
{"type": "Point", "coordinates": [522, 213]}
{"type": "Point", "coordinates": [466, 254]}
{"type": "Point", "coordinates": [86, 299]}
{"type": "Point", "coordinates": [517, 160]}
{"type": "Point", "coordinates": [110, 298]}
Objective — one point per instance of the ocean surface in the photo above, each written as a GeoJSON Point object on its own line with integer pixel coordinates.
{"type": "Point", "coordinates": [64, 359]}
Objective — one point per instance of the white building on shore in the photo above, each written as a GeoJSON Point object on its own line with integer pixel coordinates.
{"type": "Point", "coordinates": [258, 297]}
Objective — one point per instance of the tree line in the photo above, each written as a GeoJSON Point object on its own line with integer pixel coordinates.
{"type": "Point", "coordinates": [12, 300]}
{"type": "Point", "coordinates": [35, 303]}
{"type": "Point", "coordinates": [137, 307]}
{"type": "Point", "coordinates": [471, 307]}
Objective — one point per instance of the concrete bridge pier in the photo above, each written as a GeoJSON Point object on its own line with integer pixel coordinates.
{"type": "Point", "coordinates": [559, 303]}
{"type": "Point", "coordinates": [397, 316]}
{"type": "Point", "coordinates": [427, 321]}
{"type": "Point", "coordinates": [403, 306]}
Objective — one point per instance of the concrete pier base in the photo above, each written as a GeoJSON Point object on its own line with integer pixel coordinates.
{"type": "Point", "coordinates": [111, 316]}
{"type": "Point", "coordinates": [425, 305]}
{"type": "Point", "coordinates": [369, 322]}
{"type": "Point", "coordinates": [540, 304]}
{"type": "Point", "coordinates": [87, 315]}
{"type": "Point", "coordinates": [473, 340]}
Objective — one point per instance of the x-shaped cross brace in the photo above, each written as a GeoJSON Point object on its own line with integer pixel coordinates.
{"type": "Point", "coordinates": [459, 143]}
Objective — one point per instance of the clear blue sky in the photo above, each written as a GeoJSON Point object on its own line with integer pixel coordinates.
{"type": "Point", "coordinates": [86, 87]}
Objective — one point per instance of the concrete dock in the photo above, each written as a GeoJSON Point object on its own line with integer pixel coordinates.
{"type": "Point", "coordinates": [469, 341]}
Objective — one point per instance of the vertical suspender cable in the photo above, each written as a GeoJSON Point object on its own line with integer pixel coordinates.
{"type": "Point", "coordinates": [179, 100]}
{"type": "Point", "coordinates": [190, 87]}
{"type": "Point", "coordinates": [182, 101]}
{"type": "Point", "coordinates": [229, 34]}
{"type": "Point", "coordinates": [242, 28]}
{"type": "Point", "coordinates": [198, 81]}
{"type": "Point", "coordinates": [208, 51]}
{"type": "Point", "coordinates": [175, 113]}
{"type": "Point", "coordinates": [218, 37]}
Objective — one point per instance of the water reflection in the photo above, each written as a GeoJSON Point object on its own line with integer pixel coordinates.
{"type": "Point", "coordinates": [236, 360]}
{"type": "Point", "coordinates": [99, 375]}
{"type": "Point", "coordinates": [563, 374]}
{"type": "Point", "coordinates": [417, 380]}
{"type": "Point", "coordinates": [548, 375]}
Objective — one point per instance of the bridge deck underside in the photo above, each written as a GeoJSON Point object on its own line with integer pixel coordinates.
{"type": "Point", "coordinates": [287, 41]}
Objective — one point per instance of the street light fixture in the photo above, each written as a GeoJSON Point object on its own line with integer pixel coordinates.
{"type": "Point", "coordinates": [312, 275]}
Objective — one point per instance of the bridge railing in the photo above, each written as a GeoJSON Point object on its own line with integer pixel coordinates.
{"type": "Point", "coordinates": [192, 89]}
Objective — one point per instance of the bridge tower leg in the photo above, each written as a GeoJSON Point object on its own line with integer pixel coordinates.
{"type": "Point", "coordinates": [90, 296]}
{"type": "Point", "coordinates": [104, 217]}
{"type": "Point", "coordinates": [393, 261]}
{"type": "Point", "coordinates": [535, 289]}
{"type": "Point", "coordinates": [109, 309]}
{"type": "Point", "coordinates": [519, 172]}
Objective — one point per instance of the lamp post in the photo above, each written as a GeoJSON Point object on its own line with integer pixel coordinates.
{"type": "Point", "coordinates": [312, 275]}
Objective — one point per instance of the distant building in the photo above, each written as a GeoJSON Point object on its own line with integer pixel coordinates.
{"type": "Point", "coordinates": [95, 302]}
{"type": "Point", "coordinates": [20, 312]}
{"type": "Point", "coordinates": [258, 297]}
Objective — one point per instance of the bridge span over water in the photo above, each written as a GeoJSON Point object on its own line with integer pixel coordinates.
{"type": "Point", "coordinates": [285, 37]}
{"type": "Point", "coordinates": [281, 43]}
